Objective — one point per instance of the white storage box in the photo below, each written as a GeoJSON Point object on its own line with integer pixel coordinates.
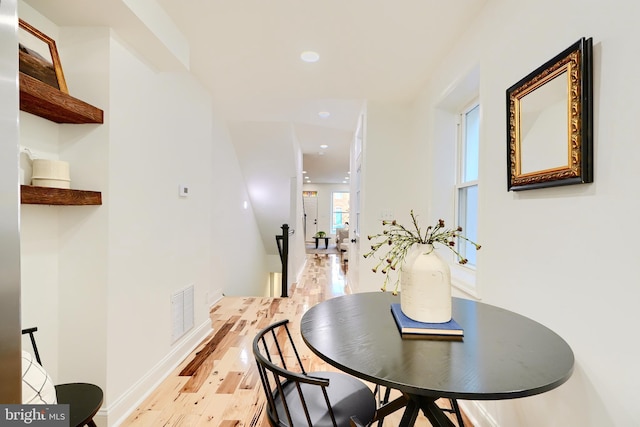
{"type": "Point", "coordinates": [50, 173]}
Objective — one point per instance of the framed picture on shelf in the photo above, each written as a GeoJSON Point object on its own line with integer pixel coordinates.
{"type": "Point", "coordinates": [39, 57]}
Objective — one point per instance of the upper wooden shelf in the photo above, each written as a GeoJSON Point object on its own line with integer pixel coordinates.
{"type": "Point", "coordinates": [48, 102]}
{"type": "Point", "coordinates": [30, 195]}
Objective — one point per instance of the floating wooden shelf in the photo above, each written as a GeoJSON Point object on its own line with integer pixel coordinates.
{"type": "Point", "coordinates": [48, 102]}
{"type": "Point", "coordinates": [31, 195]}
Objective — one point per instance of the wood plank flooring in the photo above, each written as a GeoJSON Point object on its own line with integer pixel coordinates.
{"type": "Point", "coordinates": [218, 384]}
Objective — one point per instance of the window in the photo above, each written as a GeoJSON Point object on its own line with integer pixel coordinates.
{"type": "Point", "coordinates": [467, 180]}
{"type": "Point", "coordinates": [339, 210]}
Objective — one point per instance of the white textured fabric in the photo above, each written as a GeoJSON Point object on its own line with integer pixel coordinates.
{"type": "Point", "coordinates": [37, 387]}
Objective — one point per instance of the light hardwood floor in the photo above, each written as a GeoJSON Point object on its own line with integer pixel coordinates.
{"type": "Point", "coordinates": [218, 384]}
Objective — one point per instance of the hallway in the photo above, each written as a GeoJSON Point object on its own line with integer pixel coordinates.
{"type": "Point", "coordinates": [218, 384]}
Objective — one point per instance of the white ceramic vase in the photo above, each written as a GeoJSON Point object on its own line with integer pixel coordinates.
{"type": "Point", "coordinates": [425, 286]}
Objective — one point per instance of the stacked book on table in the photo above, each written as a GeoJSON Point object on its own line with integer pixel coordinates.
{"type": "Point", "coordinates": [410, 328]}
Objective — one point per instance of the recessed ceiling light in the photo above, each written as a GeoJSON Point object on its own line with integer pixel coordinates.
{"type": "Point", "coordinates": [323, 146]}
{"type": "Point", "coordinates": [304, 172]}
{"type": "Point", "coordinates": [324, 114]}
{"type": "Point", "coordinates": [346, 177]}
{"type": "Point", "coordinates": [309, 56]}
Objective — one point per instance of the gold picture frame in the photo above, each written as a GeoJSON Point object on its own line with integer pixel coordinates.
{"type": "Point", "coordinates": [38, 56]}
{"type": "Point", "coordinates": [549, 122]}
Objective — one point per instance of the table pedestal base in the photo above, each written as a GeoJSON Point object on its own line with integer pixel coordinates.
{"type": "Point", "coordinates": [430, 410]}
{"type": "Point", "coordinates": [413, 404]}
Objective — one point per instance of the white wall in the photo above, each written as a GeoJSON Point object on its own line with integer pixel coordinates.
{"type": "Point", "coordinates": [564, 256]}
{"type": "Point", "coordinates": [159, 242]}
{"type": "Point", "coordinates": [297, 254]}
{"type": "Point", "coordinates": [235, 234]}
{"type": "Point", "coordinates": [97, 280]}
{"type": "Point", "coordinates": [393, 179]}
{"type": "Point", "coordinates": [39, 251]}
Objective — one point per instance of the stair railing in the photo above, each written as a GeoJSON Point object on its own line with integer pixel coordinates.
{"type": "Point", "coordinates": [283, 248]}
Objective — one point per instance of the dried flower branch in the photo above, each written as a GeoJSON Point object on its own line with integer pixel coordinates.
{"type": "Point", "coordinates": [397, 240]}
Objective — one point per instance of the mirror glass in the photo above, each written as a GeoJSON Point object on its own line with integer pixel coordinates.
{"type": "Point", "coordinates": [544, 127]}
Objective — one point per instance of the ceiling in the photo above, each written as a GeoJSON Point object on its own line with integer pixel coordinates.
{"type": "Point", "coordinates": [247, 54]}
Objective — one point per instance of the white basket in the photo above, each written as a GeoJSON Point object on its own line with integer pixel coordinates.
{"type": "Point", "coordinates": [50, 173]}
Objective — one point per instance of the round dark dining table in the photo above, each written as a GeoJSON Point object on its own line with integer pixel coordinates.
{"type": "Point", "coordinates": [503, 355]}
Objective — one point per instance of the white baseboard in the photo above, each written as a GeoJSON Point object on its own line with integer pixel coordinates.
{"type": "Point", "coordinates": [124, 405]}
{"type": "Point", "coordinates": [477, 414]}
{"type": "Point", "coordinates": [214, 297]}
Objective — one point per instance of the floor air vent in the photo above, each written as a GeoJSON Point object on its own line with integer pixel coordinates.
{"type": "Point", "coordinates": [181, 313]}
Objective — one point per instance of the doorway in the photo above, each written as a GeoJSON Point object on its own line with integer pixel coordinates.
{"type": "Point", "coordinates": [310, 207]}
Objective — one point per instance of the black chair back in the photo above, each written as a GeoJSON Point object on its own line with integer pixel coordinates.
{"type": "Point", "coordinates": [31, 331]}
{"type": "Point", "coordinates": [297, 398]}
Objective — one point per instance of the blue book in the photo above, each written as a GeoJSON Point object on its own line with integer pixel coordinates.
{"type": "Point", "coordinates": [409, 326]}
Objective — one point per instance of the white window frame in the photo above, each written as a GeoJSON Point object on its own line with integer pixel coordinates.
{"type": "Point", "coordinates": [463, 276]}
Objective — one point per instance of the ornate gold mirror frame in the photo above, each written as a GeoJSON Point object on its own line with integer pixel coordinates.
{"type": "Point", "coordinates": [549, 122]}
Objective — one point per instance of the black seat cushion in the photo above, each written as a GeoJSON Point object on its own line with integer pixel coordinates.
{"type": "Point", "coordinates": [348, 396]}
{"type": "Point", "coordinates": [84, 402]}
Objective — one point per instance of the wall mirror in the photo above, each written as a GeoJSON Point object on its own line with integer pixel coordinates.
{"type": "Point", "coordinates": [549, 122]}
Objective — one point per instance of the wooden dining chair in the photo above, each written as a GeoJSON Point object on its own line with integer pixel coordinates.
{"type": "Point", "coordinates": [298, 398]}
{"type": "Point", "coordinates": [84, 399]}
